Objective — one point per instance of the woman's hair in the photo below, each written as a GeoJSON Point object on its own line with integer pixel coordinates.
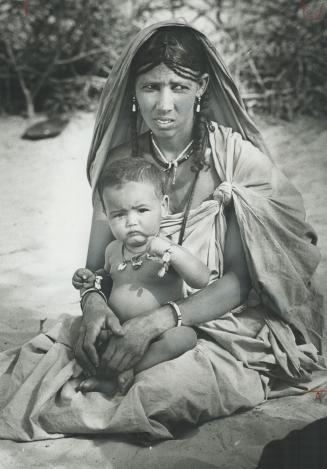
{"type": "Point", "coordinates": [180, 50]}
{"type": "Point", "coordinates": [131, 170]}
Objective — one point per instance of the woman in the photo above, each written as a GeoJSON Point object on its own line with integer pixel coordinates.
{"type": "Point", "coordinates": [171, 99]}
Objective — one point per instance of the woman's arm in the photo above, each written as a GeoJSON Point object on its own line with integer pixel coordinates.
{"type": "Point", "coordinates": [193, 271]}
{"type": "Point", "coordinates": [97, 316]}
{"type": "Point", "coordinates": [96, 313]}
{"type": "Point", "coordinates": [227, 292]}
{"type": "Point", "coordinates": [100, 237]}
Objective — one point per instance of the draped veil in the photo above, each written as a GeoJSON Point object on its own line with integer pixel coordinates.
{"type": "Point", "coordinates": [112, 126]}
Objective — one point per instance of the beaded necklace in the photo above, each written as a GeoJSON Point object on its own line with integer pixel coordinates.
{"type": "Point", "coordinates": [169, 166]}
{"type": "Point", "coordinates": [135, 261]}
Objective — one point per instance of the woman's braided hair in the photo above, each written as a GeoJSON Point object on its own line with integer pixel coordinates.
{"type": "Point", "coordinates": [182, 52]}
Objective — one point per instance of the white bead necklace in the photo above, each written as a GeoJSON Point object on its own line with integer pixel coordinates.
{"type": "Point", "coordinates": [172, 165]}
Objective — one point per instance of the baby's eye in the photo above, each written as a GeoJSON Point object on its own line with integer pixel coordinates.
{"type": "Point", "coordinates": [143, 210]}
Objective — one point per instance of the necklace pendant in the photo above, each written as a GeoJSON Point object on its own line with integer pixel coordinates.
{"type": "Point", "coordinates": [136, 263]}
{"type": "Point", "coordinates": [174, 174]}
{"type": "Point", "coordinates": [122, 266]}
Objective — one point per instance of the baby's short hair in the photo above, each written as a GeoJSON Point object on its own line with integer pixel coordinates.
{"type": "Point", "coordinates": [132, 170]}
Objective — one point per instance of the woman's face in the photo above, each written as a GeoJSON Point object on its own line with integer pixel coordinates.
{"type": "Point", "coordinates": [166, 101]}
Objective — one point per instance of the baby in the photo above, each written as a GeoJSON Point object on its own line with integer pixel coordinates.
{"type": "Point", "coordinates": [146, 268]}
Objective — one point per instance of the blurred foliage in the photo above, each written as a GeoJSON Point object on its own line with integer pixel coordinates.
{"type": "Point", "coordinates": [55, 55]}
{"type": "Point", "coordinates": [277, 50]}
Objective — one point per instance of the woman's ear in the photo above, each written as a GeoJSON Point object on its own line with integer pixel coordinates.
{"type": "Point", "coordinates": [203, 84]}
{"type": "Point", "coordinates": [164, 206]}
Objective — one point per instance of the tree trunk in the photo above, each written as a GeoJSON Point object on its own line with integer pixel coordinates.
{"type": "Point", "coordinates": [30, 110]}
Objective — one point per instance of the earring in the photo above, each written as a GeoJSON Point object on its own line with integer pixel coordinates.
{"type": "Point", "coordinates": [198, 104]}
{"type": "Point", "coordinates": [134, 104]}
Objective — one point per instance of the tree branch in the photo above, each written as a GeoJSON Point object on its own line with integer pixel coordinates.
{"type": "Point", "coordinates": [26, 91]}
{"type": "Point", "coordinates": [89, 53]}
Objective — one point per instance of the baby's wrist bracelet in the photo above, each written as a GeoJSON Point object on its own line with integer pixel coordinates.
{"type": "Point", "coordinates": [165, 258]}
{"type": "Point", "coordinates": [174, 306]}
{"type": "Point", "coordinates": [95, 289]}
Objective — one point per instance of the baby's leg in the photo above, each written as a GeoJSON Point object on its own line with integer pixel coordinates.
{"type": "Point", "coordinates": [169, 345]}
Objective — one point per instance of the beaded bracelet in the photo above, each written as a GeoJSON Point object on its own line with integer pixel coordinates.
{"type": "Point", "coordinates": [165, 261]}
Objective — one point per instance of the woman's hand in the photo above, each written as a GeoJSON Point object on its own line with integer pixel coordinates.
{"type": "Point", "coordinates": [97, 316]}
{"type": "Point", "coordinates": [124, 352]}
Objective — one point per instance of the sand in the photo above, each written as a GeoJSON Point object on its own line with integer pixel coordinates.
{"type": "Point", "coordinates": [45, 217]}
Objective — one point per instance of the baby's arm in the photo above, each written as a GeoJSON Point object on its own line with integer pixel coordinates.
{"type": "Point", "coordinates": [193, 271]}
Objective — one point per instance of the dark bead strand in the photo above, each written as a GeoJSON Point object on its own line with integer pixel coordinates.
{"type": "Point", "coordinates": [200, 136]}
{"type": "Point", "coordinates": [134, 139]}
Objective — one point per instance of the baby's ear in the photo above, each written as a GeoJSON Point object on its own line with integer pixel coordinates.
{"type": "Point", "coordinates": [164, 206]}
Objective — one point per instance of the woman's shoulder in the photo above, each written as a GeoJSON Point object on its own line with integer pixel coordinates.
{"type": "Point", "coordinates": [230, 140]}
{"type": "Point", "coordinates": [231, 150]}
{"type": "Point", "coordinates": [224, 133]}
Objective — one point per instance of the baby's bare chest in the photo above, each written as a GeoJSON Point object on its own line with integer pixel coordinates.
{"type": "Point", "coordinates": [136, 291]}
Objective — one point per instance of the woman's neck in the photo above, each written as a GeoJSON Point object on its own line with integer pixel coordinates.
{"type": "Point", "coordinates": [172, 147]}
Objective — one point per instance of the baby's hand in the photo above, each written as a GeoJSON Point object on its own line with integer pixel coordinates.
{"type": "Point", "coordinates": [83, 278]}
{"type": "Point", "coordinates": [157, 245]}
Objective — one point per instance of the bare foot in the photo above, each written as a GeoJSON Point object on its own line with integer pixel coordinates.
{"type": "Point", "coordinates": [95, 384]}
{"type": "Point", "coordinates": [125, 380]}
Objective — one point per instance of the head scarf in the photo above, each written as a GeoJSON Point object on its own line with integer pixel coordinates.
{"type": "Point", "coordinates": [112, 126]}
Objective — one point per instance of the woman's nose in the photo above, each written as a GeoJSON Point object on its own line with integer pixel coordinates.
{"type": "Point", "coordinates": [165, 100]}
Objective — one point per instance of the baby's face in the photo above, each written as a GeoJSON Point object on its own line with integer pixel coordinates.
{"type": "Point", "coordinates": [134, 212]}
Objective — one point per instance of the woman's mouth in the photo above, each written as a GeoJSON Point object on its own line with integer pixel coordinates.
{"type": "Point", "coordinates": [164, 123]}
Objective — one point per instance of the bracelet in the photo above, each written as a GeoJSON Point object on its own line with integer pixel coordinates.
{"type": "Point", "coordinates": [91, 290]}
{"type": "Point", "coordinates": [166, 262]}
{"type": "Point", "coordinates": [177, 311]}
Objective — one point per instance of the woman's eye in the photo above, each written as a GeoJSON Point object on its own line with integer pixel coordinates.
{"type": "Point", "coordinates": [143, 210]}
{"type": "Point", "coordinates": [149, 86]}
{"type": "Point", "coordinates": [180, 87]}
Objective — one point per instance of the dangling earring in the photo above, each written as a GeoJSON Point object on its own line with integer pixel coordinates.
{"type": "Point", "coordinates": [134, 104]}
{"type": "Point", "coordinates": [198, 104]}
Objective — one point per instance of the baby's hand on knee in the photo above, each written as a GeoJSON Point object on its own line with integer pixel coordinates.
{"type": "Point", "coordinates": [83, 278]}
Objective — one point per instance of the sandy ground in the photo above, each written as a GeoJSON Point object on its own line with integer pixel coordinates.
{"type": "Point", "coordinates": [45, 218]}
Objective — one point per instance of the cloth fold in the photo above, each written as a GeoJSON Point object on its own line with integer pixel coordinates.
{"type": "Point", "coordinates": [112, 126]}
{"type": "Point", "coordinates": [279, 245]}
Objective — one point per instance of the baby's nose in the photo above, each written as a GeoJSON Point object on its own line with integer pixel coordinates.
{"type": "Point", "coordinates": [131, 219]}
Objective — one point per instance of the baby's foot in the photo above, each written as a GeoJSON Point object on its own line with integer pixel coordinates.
{"type": "Point", "coordinates": [96, 384]}
{"type": "Point", "coordinates": [125, 380]}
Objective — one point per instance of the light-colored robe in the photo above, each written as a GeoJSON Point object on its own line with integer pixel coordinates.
{"type": "Point", "coordinates": [232, 367]}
